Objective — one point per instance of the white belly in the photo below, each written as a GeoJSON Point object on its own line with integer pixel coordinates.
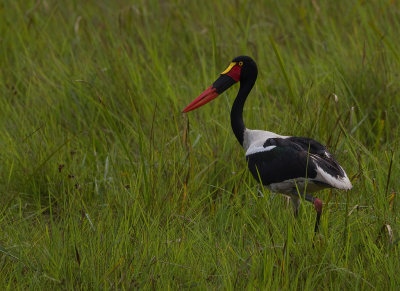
{"type": "Point", "coordinates": [295, 186]}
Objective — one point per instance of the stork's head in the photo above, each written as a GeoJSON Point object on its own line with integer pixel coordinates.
{"type": "Point", "coordinates": [240, 69]}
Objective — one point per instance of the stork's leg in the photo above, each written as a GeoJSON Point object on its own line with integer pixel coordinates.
{"type": "Point", "coordinates": [295, 204]}
{"type": "Point", "coordinates": [318, 207]}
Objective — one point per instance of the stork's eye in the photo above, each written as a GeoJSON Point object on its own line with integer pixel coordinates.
{"type": "Point", "coordinates": [240, 63]}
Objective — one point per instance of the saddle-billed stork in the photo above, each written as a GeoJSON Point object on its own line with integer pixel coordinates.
{"type": "Point", "coordinates": [285, 164]}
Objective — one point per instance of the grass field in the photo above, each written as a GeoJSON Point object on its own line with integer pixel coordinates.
{"type": "Point", "coordinates": [105, 184]}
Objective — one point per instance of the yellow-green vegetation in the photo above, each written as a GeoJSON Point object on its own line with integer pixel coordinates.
{"type": "Point", "coordinates": [105, 184]}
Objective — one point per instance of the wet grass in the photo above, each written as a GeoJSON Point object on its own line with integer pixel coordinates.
{"type": "Point", "coordinates": [105, 184]}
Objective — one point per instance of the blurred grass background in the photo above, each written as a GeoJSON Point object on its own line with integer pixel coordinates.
{"type": "Point", "coordinates": [105, 184]}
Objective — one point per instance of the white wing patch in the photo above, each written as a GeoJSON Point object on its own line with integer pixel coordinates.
{"type": "Point", "coordinates": [340, 183]}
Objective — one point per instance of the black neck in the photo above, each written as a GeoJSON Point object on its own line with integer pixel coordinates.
{"type": "Point", "coordinates": [237, 123]}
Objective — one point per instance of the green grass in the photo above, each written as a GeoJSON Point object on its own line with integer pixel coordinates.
{"type": "Point", "coordinates": [105, 184]}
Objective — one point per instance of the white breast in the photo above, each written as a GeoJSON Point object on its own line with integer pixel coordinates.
{"type": "Point", "coordinates": [253, 140]}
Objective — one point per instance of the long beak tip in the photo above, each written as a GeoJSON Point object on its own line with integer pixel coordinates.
{"type": "Point", "coordinates": [205, 97]}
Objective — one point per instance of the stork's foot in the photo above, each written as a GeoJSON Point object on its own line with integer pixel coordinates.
{"type": "Point", "coordinates": [318, 208]}
{"type": "Point", "coordinates": [295, 205]}
{"type": "Point", "coordinates": [317, 205]}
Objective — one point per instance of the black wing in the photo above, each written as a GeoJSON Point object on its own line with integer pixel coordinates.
{"type": "Point", "coordinates": [321, 156]}
{"type": "Point", "coordinates": [291, 158]}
